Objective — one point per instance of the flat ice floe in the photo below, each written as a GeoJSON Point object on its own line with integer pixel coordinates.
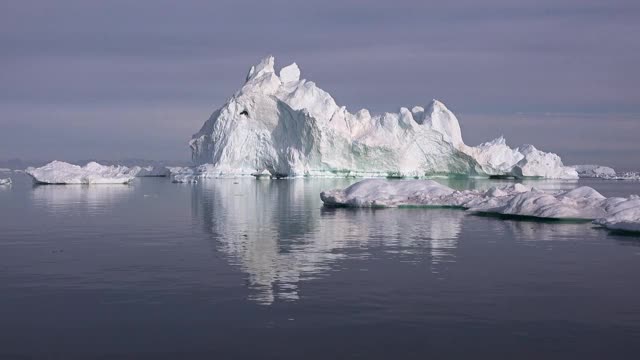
{"type": "Point", "coordinates": [286, 126]}
{"type": "Point", "coordinates": [582, 203]}
{"type": "Point", "coordinates": [59, 172]}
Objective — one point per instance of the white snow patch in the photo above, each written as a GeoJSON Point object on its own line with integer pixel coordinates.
{"type": "Point", "coordinates": [59, 172]}
{"type": "Point", "coordinates": [288, 126]}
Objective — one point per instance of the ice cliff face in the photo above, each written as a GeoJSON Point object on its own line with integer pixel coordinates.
{"type": "Point", "coordinates": [287, 126]}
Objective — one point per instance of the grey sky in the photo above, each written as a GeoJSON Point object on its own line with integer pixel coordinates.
{"type": "Point", "coordinates": [119, 79]}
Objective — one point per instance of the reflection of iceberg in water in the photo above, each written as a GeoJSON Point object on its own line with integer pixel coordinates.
{"type": "Point", "coordinates": [277, 232]}
{"type": "Point", "coordinates": [531, 230]}
{"type": "Point", "coordinates": [93, 198]}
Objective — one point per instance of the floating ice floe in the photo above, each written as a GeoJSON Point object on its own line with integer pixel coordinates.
{"type": "Point", "coordinates": [59, 172]}
{"type": "Point", "coordinates": [582, 203]}
{"type": "Point", "coordinates": [287, 126]}
{"type": "Point", "coordinates": [6, 181]}
{"type": "Point", "coordinates": [623, 215]}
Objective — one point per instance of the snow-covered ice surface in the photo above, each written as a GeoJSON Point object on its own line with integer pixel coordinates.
{"type": "Point", "coordinates": [6, 181]}
{"type": "Point", "coordinates": [59, 172]}
{"type": "Point", "coordinates": [582, 203]}
{"type": "Point", "coordinates": [287, 126]}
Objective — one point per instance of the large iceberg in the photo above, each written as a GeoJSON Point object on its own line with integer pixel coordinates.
{"type": "Point", "coordinates": [59, 172]}
{"type": "Point", "coordinates": [287, 126]}
{"type": "Point", "coordinates": [582, 203]}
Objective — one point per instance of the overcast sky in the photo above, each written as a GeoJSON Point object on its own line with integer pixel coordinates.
{"type": "Point", "coordinates": [123, 79]}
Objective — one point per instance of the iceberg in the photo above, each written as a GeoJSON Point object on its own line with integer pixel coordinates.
{"type": "Point", "coordinates": [59, 172]}
{"type": "Point", "coordinates": [6, 181]}
{"type": "Point", "coordinates": [150, 171]}
{"type": "Point", "coordinates": [604, 172]}
{"type": "Point", "coordinates": [595, 171]}
{"type": "Point", "coordinates": [629, 175]}
{"type": "Point", "coordinates": [286, 126]}
{"type": "Point", "coordinates": [582, 203]}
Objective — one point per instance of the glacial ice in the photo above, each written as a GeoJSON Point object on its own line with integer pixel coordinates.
{"type": "Point", "coordinates": [629, 175]}
{"type": "Point", "coordinates": [594, 171]}
{"type": "Point", "coordinates": [186, 174]}
{"type": "Point", "coordinates": [6, 181]}
{"type": "Point", "coordinates": [150, 171]}
{"type": "Point", "coordinates": [582, 203]}
{"type": "Point", "coordinates": [623, 214]}
{"type": "Point", "coordinates": [287, 126]}
{"type": "Point", "coordinates": [604, 172]}
{"type": "Point", "coordinates": [59, 172]}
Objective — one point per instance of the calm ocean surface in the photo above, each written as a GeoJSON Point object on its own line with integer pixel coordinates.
{"type": "Point", "coordinates": [258, 269]}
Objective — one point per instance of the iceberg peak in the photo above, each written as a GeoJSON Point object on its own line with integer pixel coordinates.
{"type": "Point", "coordinates": [290, 73]}
{"type": "Point", "coordinates": [444, 121]}
{"type": "Point", "coordinates": [266, 65]}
